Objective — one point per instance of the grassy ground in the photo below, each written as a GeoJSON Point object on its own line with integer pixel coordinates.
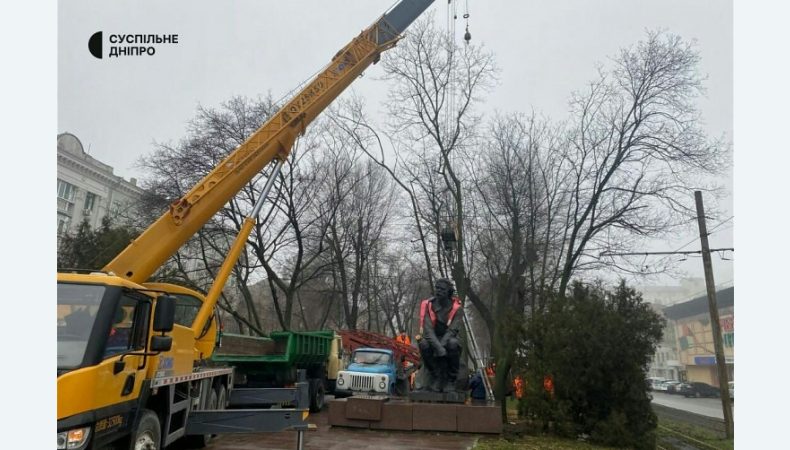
{"type": "Point", "coordinates": [511, 439]}
{"type": "Point", "coordinates": [670, 432]}
{"type": "Point", "coordinates": [533, 442]}
{"type": "Point", "coordinates": [671, 435]}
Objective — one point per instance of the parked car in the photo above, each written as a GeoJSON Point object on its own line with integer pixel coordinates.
{"type": "Point", "coordinates": [672, 386]}
{"type": "Point", "coordinates": [654, 383]}
{"type": "Point", "coordinates": [732, 390]}
{"type": "Point", "coordinates": [698, 389]}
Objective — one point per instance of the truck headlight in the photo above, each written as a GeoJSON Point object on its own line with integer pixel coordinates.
{"type": "Point", "coordinates": [73, 439]}
{"type": "Point", "coordinates": [340, 381]}
{"type": "Point", "coordinates": [382, 385]}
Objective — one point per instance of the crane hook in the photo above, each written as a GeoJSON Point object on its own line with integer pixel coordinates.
{"type": "Point", "coordinates": [467, 35]}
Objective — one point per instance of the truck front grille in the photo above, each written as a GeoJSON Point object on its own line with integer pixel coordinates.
{"type": "Point", "coordinates": [361, 383]}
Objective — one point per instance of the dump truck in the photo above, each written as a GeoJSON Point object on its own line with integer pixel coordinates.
{"type": "Point", "coordinates": [134, 358]}
{"type": "Point", "coordinates": [274, 361]}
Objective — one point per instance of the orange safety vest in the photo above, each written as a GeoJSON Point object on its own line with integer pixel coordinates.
{"type": "Point", "coordinates": [518, 384]}
{"type": "Point", "coordinates": [548, 384]}
{"type": "Point", "coordinates": [426, 306]}
{"type": "Point", "coordinates": [403, 339]}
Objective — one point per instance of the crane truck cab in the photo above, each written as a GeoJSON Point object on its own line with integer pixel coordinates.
{"type": "Point", "coordinates": [116, 334]}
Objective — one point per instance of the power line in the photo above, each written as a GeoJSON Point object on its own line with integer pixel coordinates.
{"type": "Point", "coordinates": [677, 250]}
{"type": "Point", "coordinates": [692, 252]}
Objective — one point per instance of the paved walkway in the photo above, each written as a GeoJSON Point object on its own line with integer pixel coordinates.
{"type": "Point", "coordinates": [337, 438]}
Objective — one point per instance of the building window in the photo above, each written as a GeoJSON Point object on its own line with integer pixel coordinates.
{"type": "Point", "coordinates": [66, 194]}
{"type": "Point", "coordinates": [729, 340]}
{"type": "Point", "coordinates": [63, 223]}
{"type": "Point", "coordinates": [66, 191]}
{"type": "Point", "coordinates": [90, 202]}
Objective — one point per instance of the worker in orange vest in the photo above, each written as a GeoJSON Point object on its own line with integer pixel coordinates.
{"type": "Point", "coordinates": [403, 338]}
{"type": "Point", "coordinates": [548, 385]}
{"type": "Point", "coordinates": [518, 386]}
{"type": "Point", "coordinates": [490, 370]}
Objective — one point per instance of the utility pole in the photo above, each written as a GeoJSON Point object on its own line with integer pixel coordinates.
{"type": "Point", "coordinates": [721, 363]}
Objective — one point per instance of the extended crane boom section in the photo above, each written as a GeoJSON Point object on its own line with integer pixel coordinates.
{"type": "Point", "coordinates": [274, 139]}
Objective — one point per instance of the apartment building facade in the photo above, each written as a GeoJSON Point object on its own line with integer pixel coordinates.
{"type": "Point", "coordinates": [88, 189]}
{"type": "Point", "coordinates": [694, 336]}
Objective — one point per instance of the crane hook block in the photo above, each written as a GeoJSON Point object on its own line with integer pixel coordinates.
{"type": "Point", "coordinates": [467, 35]}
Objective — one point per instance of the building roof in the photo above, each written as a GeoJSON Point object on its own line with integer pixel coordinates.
{"type": "Point", "coordinates": [71, 154]}
{"type": "Point", "coordinates": [724, 298]}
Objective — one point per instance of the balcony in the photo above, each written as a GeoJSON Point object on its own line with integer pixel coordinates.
{"type": "Point", "coordinates": [65, 206]}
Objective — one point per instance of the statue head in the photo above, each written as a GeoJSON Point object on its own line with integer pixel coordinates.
{"type": "Point", "coordinates": [443, 289]}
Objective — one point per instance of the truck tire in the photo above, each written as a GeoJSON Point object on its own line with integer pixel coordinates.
{"type": "Point", "coordinates": [401, 387]}
{"type": "Point", "coordinates": [148, 435]}
{"type": "Point", "coordinates": [222, 397]}
{"type": "Point", "coordinates": [317, 393]}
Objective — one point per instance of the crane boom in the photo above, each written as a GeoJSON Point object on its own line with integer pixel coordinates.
{"type": "Point", "coordinates": [273, 140]}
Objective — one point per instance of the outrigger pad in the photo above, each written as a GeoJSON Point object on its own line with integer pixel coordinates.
{"type": "Point", "coordinates": [438, 397]}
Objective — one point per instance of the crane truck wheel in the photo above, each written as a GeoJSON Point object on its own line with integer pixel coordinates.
{"type": "Point", "coordinates": [148, 434]}
{"type": "Point", "coordinates": [222, 397]}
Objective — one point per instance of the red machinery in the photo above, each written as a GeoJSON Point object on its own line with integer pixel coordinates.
{"type": "Point", "coordinates": [354, 339]}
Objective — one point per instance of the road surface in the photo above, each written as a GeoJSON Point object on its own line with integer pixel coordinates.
{"type": "Point", "coordinates": [710, 407]}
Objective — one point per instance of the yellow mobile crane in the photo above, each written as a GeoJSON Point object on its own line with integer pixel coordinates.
{"type": "Point", "coordinates": [131, 355]}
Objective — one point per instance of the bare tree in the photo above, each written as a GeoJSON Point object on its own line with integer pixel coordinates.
{"type": "Point", "coordinates": [636, 151]}
{"type": "Point", "coordinates": [211, 135]}
{"type": "Point", "coordinates": [350, 117]}
{"type": "Point", "coordinates": [290, 248]}
{"type": "Point", "coordinates": [354, 201]}
{"type": "Point", "coordinates": [436, 85]}
{"type": "Point", "coordinates": [516, 231]}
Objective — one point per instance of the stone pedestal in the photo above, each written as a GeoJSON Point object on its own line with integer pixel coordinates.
{"type": "Point", "coordinates": [433, 417]}
{"type": "Point", "coordinates": [381, 414]}
{"type": "Point", "coordinates": [395, 415]}
{"type": "Point", "coordinates": [438, 397]}
{"type": "Point", "coordinates": [337, 415]}
{"type": "Point", "coordinates": [364, 408]}
{"type": "Point", "coordinates": [478, 419]}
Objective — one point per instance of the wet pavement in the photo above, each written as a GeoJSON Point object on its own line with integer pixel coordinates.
{"type": "Point", "coordinates": [710, 407]}
{"type": "Point", "coordinates": [336, 438]}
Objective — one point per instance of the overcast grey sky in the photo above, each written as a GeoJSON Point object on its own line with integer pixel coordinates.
{"type": "Point", "coordinates": [545, 49]}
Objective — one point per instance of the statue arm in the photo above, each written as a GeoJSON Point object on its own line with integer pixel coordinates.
{"type": "Point", "coordinates": [430, 335]}
{"type": "Point", "coordinates": [454, 329]}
